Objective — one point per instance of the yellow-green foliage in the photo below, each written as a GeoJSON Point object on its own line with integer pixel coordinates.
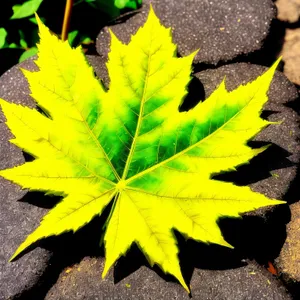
{"type": "Point", "coordinates": [132, 146]}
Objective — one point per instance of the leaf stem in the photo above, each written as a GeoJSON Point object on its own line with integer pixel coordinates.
{"type": "Point", "coordinates": [67, 19]}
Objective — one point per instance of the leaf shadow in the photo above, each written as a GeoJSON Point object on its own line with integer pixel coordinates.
{"type": "Point", "coordinates": [259, 168]}
{"type": "Point", "coordinates": [40, 200]}
{"type": "Point", "coordinates": [65, 250]}
{"type": "Point", "coordinates": [196, 94]}
{"type": "Point", "coordinates": [254, 237]}
{"type": "Point", "coordinates": [130, 263]}
{"type": "Point", "coordinates": [295, 104]}
{"type": "Point", "coordinates": [293, 193]}
{"type": "Point", "coordinates": [292, 196]}
{"type": "Point", "coordinates": [69, 249]}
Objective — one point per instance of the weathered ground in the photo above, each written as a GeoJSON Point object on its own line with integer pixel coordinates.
{"type": "Point", "coordinates": [258, 237]}
{"type": "Point", "coordinates": [70, 267]}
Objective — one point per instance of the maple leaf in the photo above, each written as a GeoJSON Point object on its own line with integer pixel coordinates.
{"type": "Point", "coordinates": [132, 146]}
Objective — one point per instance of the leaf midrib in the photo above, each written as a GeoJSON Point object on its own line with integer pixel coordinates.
{"type": "Point", "coordinates": [136, 134]}
{"type": "Point", "coordinates": [188, 148]}
{"type": "Point", "coordinates": [138, 190]}
{"type": "Point", "coordinates": [90, 131]}
{"type": "Point", "coordinates": [88, 203]}
{"type": "Point", "coordinates": [59, 150]}
{"type": "Point", "coordinates": [152, 232]}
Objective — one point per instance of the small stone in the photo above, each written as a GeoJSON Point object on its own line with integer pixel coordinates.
{"type": "Point", "coordinates": [288, 10]}
{"type": "Point", "coordinates": [289, 259]}
{"type": "Point", "coordinates": [221, 29]}
{"type": "Point", "coordinates": [291, 55]}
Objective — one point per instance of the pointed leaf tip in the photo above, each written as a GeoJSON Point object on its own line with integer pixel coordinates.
{"type": "Point", "coordinates": [105, 270]}
{"type": "Point", "coordinates": [273, 68]}
{"type": "Point", "coordinates": [113, 38]}
{"type": "Point", "coordinates": [151, 8]}
{"type": "Point", "coordinates": [277, 61]}
{"type": "Point", "coordinates": [185, 286]}
{"type": "Point", "coordinates": [152, 15]}
{"type": "Point", "coordinates": [12, 258]}
{"type": "Point", "coordinates": [39, 21]}
{"type": "Point", "coordinates": [193, 54]}
{"type": "Point", "coordinates": [222, 85]}
{"type": "Point", "coordinates": [17, 252]}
